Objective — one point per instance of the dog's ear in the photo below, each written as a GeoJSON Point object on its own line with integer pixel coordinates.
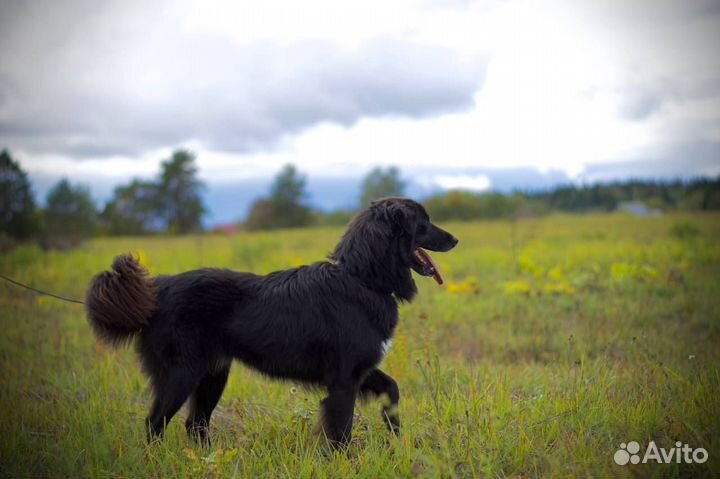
{"type": "Point", "coordinates": [395, 214]}
{"type": "Point", "coordinates": [402, 220]}
{"type": "Point", "coordinates": [402, 217]}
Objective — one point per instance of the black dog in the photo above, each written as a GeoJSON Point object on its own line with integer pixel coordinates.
{"type": "Point", "coordinates": [327, 324]}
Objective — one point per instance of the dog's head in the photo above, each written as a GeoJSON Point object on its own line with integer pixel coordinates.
{"type": "Point", "coordinates": [416, 234]}
{"type": "Point", "coordinates": [388, 239]}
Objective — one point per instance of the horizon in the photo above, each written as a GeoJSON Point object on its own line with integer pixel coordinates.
{"type": "Point", "coordinates": [343, 194]}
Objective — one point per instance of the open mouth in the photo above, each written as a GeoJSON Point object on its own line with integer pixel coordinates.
{"type": "Point", "coordinates": [424, 265]}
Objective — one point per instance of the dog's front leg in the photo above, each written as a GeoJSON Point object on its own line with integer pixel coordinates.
{"type": "Point", "coordinates": [337, 413]}
{"type": "Point", "coordinates": [377, 384]}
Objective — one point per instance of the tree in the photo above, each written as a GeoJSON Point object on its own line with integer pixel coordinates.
{"type": "Point", "coordinates": [379, 183]}
{"type": "Point", "coordinates": [284, 208]}
{"type": "Point", "coordinates": [261, 215]}
{"type": "Point", "coordinates": [70, 210]}
{"type": "Point", "coordinates": [464, 205]}
{"type": "Point", "coordinates": [134, 209]}
{"type": "Point", "coordinates": [179, 193]}
{"type": "Point", "coordinates": [288, 187]}
{"type": "Point", "coordinates": [18, 215]}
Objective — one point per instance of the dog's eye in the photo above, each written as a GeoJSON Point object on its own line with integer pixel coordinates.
{"type": "Point", "coordinates": [422, 229]}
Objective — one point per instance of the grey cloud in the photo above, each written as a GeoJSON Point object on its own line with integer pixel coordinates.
{"type": "Point", "coordinates": [641, 100]}
{"type": "Point", "coordinates": [665, 49]}
{"type": "Point", "coordinates": [678, 161]}
{"type": "Point", "coordinates": [703, 8]}
{"type": "Point", "coordinates": [89, 82]}
{"type": "Point", "coordinates": [640, 106]}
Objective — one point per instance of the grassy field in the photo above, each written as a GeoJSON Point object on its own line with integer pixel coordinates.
{"type": "Point", "coordinates": [554, 341]}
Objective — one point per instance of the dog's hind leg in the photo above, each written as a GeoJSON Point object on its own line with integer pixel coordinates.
{"type": "Point", "coordinates": [202, 403]}
{"type": "Point", "coordinates": [378, 383]}
{"type": "Point", "coordinates": [171, 391]}
{"type": "Point", "coordinates": [337, 413]}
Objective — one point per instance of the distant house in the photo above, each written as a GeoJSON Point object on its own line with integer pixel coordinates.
{"type": "Point", "coordinates": [226, 228]}
{"type": "Point", "coordinates": [638, 208]}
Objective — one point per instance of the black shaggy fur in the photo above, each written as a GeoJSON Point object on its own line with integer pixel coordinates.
{"type": "Point", "coordinates": [324, 324]}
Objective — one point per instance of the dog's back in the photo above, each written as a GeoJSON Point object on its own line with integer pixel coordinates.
{"type": "Point", "coordinates": [297, 324]}
{"type": "Point", "coordinates": [292, 324]}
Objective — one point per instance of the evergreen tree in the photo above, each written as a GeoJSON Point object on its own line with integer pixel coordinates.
{"type": "Point", "coordinates": [285, 208]}
{"type": "Point", "coordinates": [179, 193]}
{"type": "Point", "coordinates": [134, 209]}
{"type": "Point", "coordinates": [70, 211]}
{"type": "Point", "coordinates": [18, 215]}
{"type": "Point", "coordinates": [379, 183]}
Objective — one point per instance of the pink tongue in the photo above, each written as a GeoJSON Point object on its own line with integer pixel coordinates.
{"type": "Point", "coordinates": [437, 276]}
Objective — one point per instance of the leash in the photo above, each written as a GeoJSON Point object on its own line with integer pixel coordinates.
{"type": "Point", "coordinates": [39, 291]}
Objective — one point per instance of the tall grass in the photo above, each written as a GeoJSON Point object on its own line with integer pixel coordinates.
{"type": "Point", "coordinates": [554, 341]}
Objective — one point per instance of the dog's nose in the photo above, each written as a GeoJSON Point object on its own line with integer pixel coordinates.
{"type": "Point", "coordinates": [455, 241]}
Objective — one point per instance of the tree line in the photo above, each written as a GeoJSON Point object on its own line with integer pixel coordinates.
{"type": "Point", "coordinates": [286, 206]}
{"type": "Point", "coordinates": [694, 195]}
{"type": "Point", "coordinates": [172, 202]}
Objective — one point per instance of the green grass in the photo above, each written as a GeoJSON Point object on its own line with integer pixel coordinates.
{"type": "Point", "coordinates": [555, 340]}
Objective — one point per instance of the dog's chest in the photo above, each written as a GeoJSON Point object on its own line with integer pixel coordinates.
{"type": "Point", "coordinates": [385, 346]}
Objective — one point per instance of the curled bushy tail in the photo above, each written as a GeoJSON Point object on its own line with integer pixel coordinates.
{"type": "Point", "coordinates": [119, 303]}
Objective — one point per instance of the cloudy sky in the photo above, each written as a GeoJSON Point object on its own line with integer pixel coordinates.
{"type": "Point", "coordinates": [458, 94]}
